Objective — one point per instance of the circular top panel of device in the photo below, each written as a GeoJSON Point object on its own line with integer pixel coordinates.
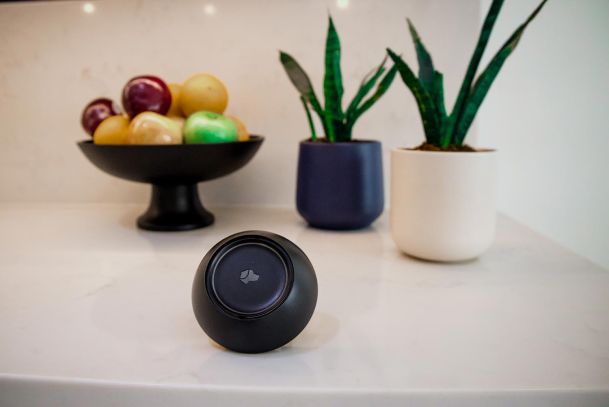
{"type": "Point", "coordinates": [250, 276]}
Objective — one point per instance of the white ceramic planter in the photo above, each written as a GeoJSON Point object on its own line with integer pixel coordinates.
{"type": "Point", "coordinates": [442, 204]}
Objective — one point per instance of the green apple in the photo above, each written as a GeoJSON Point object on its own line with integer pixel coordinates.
{"type": "Point", "coordinates": [209, 127]}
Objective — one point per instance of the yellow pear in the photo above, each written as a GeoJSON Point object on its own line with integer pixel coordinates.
{"type": "Point", "coordinates": [175, 90]}
{"type": "Point", "coordinates": [153, 128]}
{"type": "Point", "coordinates": [242, 132]}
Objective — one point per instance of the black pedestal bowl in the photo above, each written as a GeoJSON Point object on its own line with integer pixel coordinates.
{"type": "Point", "coordinates": [173, 171]}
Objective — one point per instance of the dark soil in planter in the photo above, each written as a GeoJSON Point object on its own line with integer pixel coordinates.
{"type": "Point", "coordinates": [325, 141]}
{"type": "Point", "coordinates": [464, 148]}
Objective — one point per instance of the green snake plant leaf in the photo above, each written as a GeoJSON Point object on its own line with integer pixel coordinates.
{"type": "Point", "coordinates": [464, 91]}
{"type": "Point", "coordinates": [301, 81]}
{"type": "Point", "coordinates": [365, 87]}
{"type": "Point", "coordinates": [437, 92]}
{"type": "Point", "coordinates": [486, 78]}
{"type": "Point", "coordinates": [426, 69]}
{"type": "Point", "coordinates": [333, 81]}
{"type": "Point", "coordinates": [382, 87]}
{"type": "Point", "coordinates": [374, 71]}
{"type": "Point", "coordinates": [305, 104]}
{"type": "Point", "coordinates": [343, 131]}
{"type": "Point", "coordinates": [425, 103]}
{"type": "Point", "coordinates": [432, 80]}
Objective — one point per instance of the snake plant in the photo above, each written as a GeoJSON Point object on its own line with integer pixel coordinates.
{"type": "Point", "coordinates": [442, 130]}
{"type": "Point", "coordinates": [337, 123]}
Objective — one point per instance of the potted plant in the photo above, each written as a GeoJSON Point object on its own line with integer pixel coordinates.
{"type": "Point", "coordinates": [442, 192]}
{"type": "Point", "coordinates": [340, 180]}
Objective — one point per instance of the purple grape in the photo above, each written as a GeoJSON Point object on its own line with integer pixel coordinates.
{"type": "Point", "coordinates": [96, 112]}
{"type": "Point", "coordinates": [146, 94]}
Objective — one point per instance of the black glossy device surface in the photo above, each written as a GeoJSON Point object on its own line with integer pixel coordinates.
{"type": "Point", "coordinates": [249, 276]}
{"type": "Point", "coordinates": [254, 291]}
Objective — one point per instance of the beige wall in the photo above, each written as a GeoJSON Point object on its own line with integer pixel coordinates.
{"type": "Point", "coordinates": [54, 58]}
{"type": "Point", "coordinates": [547, 114]}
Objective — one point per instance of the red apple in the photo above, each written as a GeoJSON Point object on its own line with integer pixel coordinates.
{"type": "Point", "coordinates": [146, 94]}
{"type": "Point", "coordinates": [96, 112]}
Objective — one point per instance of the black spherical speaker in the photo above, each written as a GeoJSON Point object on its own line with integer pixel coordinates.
{"type": "Point", "coordinates": [254, 292]}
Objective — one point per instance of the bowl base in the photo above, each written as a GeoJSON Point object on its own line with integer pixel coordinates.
{"type": "Point", "coordinates": [175, 208]}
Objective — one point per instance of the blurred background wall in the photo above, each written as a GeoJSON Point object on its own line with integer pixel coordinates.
{"type": "Point", "coordinates": [546, 112]}
{"type": "Point", "coordinates": [55, 57]}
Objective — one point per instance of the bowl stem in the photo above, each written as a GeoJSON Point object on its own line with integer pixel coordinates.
{"type": "Point", "coordinates": [175, 208]}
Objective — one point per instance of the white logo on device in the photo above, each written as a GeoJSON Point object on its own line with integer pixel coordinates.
{"type": "Point", "coordinates": [248, 275]}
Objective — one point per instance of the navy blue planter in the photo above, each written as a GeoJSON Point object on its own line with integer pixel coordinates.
{"type": "Point", "coordinates": [340, 185]}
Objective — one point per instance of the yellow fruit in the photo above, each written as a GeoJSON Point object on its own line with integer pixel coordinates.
{"type": "Point", "coordinates": [153, 128]}
{"type": "Point", "coordinates": [174, 109]}
{"type": "Point", "coordinates": [203, 92]}
{"type": "Point", "coordinates": [179, 120]}
{"type": "Point", "coordinates": [242, 132]}
{"type": "Point", "coordinates": [112, 130]}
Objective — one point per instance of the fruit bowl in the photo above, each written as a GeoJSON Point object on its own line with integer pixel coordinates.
{"type": "Point", "coordinates": [173, 171]}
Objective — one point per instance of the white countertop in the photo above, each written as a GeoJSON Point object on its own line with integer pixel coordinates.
{"type": "Point", "coordinates": [95, 312]}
